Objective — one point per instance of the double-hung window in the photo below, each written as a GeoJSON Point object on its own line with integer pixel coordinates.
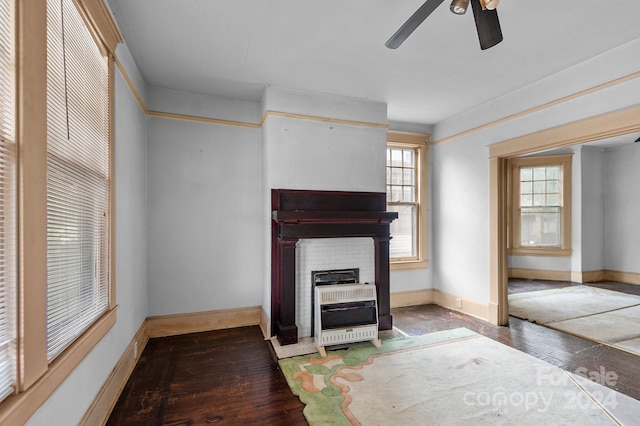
{"type": "Point", "coordinates": [77, 177]}
{"type": "Point", "coordinates": [541, 207]}
{"type": "Point", "coordinates": [56, 280]}
{"type": "Point", "coordinates": [406, 195]}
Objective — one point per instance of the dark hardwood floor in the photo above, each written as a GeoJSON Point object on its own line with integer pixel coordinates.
{"type": "Point", "coordinates": [231, 377]}
{"type": "Point", "coordinates": [225, 376]}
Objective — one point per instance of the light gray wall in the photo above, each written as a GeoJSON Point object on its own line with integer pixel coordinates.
{"type": "Point", "coordinates": [71, 400]}
{"type": "Point", "coordinates": [460, 167]}
{"type": "Point", "coordinates": [204, 216]}
{"type": "Point", "coordinates": [593, 209]}
{"type": "Point", "coordinates": [622, 200]}
{"type": "Point", "coordinates": [460, 218]}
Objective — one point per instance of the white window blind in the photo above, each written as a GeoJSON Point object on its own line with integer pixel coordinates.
{"type": "Point", "coordinates": [77, 177]}
{"type": "Point", "coordinates": [7, 201]}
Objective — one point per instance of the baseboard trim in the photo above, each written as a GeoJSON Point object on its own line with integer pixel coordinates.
{"type": "Point", "coordinates": [578, 277]}
{"type": "Point", "coordinates": [102, 405]}
{"type": "Point", "coordinates": [465, 306]}
{"type": "Point", "coordinates": [539, 274]}
{"type": "Point", "coordinates": [622, 277]}
{"type": "Point", "coordinates": [588, 276]}
{"type": "Point", "coordinates": [265, 324]}
{"type": "Point", "coordinates": [172, 325]}
{"type": "Point", "coordinates": [446, 300]}
{"type": "Point", "coordinates": [400, 299]}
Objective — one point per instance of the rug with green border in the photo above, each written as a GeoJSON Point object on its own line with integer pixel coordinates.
{"type": "Point", "coordinates": [310, 377]}
{"type": "Point", "coordinates": [453, 377]}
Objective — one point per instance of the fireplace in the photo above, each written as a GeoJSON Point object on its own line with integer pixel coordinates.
{"type": "Point", "coordinates": [299, 215]}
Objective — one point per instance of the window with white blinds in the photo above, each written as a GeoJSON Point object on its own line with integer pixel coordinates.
{"type": "Point", "coordinates": [7, 200]}
{"type": "Point", "coordinates": [77, 177]}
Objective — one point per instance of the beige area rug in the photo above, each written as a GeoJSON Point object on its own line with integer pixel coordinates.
{"type": "Point", "coordinates": [547, 306]}
{"type": "Point", "coordinates": [600, 315]}
{"type": "Point", "coordinates": [455, 377]}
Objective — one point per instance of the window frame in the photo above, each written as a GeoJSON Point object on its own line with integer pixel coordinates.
{"type": "Point", "coordinates": [420, 143]}
{"type": "Point", "coordinates": [8, 191]}
{"type": "Point", "coordinates": [513, 228]}
{"type": "Point", "coordinates": [37, 377]}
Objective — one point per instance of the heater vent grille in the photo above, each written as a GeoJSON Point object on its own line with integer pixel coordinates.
{"type": "Point", "coordinates": [344, 293]}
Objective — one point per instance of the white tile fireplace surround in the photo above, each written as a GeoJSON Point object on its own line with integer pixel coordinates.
{"type": "Point", "coordinates": [322, 254]}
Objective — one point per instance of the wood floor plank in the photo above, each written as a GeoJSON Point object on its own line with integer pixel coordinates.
{"type": "Point", "coordinates": [225, 376]}
{"type": "Point", "coordinates": [231, 376]}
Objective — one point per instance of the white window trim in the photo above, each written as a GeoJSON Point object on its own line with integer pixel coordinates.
{"type": "Point", "coordinates": [419, 142]}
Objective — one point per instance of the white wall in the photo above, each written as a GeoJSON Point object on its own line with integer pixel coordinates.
{"type": "Point", "coordinates": [460, 167]}
{"type": "Point", "coordinates": [301, 153]}
{"type": "Point", "coordinates": [593, 209]}
{"type": "Point", "coordinates": [204, 216]}
{"type": "Point", "coordinates": [71, 400]}
{"type": "Point", "coordinates": [622, 199]}
{"type": "Point", "coordinates": [460, 211]}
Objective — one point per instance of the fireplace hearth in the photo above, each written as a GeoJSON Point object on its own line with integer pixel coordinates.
{"type": "Point", "coordinates": [301, 214]}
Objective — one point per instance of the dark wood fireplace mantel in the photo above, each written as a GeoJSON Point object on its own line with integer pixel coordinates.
{"type": "Point", "coordinates": [299, 214]}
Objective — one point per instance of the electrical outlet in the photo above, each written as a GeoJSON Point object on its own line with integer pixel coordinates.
{"type": "Point", "coordinates": [135, 350]}
{"type": "Point", "coordinates": [458, 303]}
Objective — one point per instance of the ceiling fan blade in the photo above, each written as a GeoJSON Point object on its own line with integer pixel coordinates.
{"type": "Point", "coordinates": [487, 25]}
{"type": "Point", "coordinates": [412, 23]}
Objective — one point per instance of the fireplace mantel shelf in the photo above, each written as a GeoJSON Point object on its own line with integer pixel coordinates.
{"type": "Point", "coordinates": [286, 216]}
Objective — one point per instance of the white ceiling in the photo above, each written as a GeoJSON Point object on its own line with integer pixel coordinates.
{"type": "Point", "coordinates": [234, 48]}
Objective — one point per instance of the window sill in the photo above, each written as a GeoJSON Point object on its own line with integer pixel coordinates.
{"type": "Point", "coordinates": [401, 265]}
{"type": "Point", "coordinates": [539, 252]}
{"type": "Point", "coordinates": [18, 408]}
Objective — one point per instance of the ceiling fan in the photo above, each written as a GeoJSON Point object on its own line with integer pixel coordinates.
{"type": "Point", "coordinates": [484, 13]}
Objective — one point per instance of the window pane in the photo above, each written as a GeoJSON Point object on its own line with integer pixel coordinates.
{"type": "Point", "coordinates": [396, 176]}
{"type": "Point", "coordinates": [553, 200]}
{"type": "Point", "coordinates": [396, 157]}
{"type": "Point", "coordinates": [404, 232]}
{"type": "Point", "coordinates": [407, 176]}
{"type": "Point", "coordinates": [526, 200]}
{"type": "Point", "coordinates": [553, 186]}
{"type": "Point", "coordinates": [396, 193]}
{"type": "Point", "coordinates": [538, 187]}
{"type": "Point", "coordinates": [526, 187]}
{"type": "Point", "coordinates": [553, 172]}
{"type": "Point", "coordinates": [526, 174]}
{"type": "Point", "coordinates": [538, 200]}
{"type": "Point", "coordinates": [539, 173]}
{"type": "Point", "coordinates": [408, 158]}
{"type": "Point", "coordinates": [540, 227]}
{"type": "Point", "coordinates": [408, 194]}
